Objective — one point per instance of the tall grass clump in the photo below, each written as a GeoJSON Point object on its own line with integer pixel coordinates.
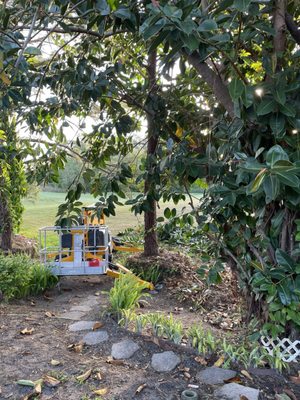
{"type": "Point", "coordinates": [21, 276]}
{"type": "Point", "coordinates": [126, 294]}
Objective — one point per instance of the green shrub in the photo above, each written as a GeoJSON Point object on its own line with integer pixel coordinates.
{"type": "Point", "coordinates": [152, 274]}
{"type": "Point", "coordinates": [20, 276]}
{"type": "Point", "coordinates": [126, 293]}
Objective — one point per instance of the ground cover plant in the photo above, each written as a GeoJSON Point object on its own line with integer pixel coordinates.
{"type": "Point", "coordinates": [21, 276]}
{"type": "Point", "coordinates": [126, 294]}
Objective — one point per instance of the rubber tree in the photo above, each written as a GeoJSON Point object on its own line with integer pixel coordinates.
{"type": "Point", "coordinates": [248, 58]}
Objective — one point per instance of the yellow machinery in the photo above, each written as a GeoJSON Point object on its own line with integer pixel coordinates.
{"type": "Point", "coordinates": [85, 249]}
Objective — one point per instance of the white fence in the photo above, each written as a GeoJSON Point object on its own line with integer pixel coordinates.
{"type": "Point", "coordinates": [289, 351]}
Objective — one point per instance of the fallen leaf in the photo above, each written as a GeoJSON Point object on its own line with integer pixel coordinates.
{"type": "Point", "coordinates": [140, 388]}
{"type": "Point", "coordinates": [50, 381]}
{"type": "Point", "coordinates": [38, 386]}
{"type": "Point", "coordinates": [246, 374]}
{"type": "Point", "coordinates": [295, 379]}
{"type": "Point", "coordinates": [290, 393]}
{"type": "Point", "coordinates": [27, 331]}
{"type": "Point", "coordinates": [49, 314]}
{"type": "Point", "coordinates": [99, 377]}
{"type": "Point", "coordinates": [220, 361]}
{"type": "Point", "coordinates": [282, 396]}
{"type": "Point", "coordinates": [97, 325]}
{"type": "Point", "coordinates": [25, 382]}
{"type": "Point", "coordinates": [200, 360]}
{"type": "Point", "coordinates": [101, 392]}
{"type": "Point", "coordinates": [97, 294]}
{"type": "Point", "coordinates": [85, 376]}
{"type": "Point", "coordinates": [30, 396]}
{"type": "Point", "coordinates": [235, 379]}
{"type": "Point", "coordinates": [110, 360]}
{"type": "Point", "coordinates": [155, 340]}
{"type": "Point", "coordinates": [55, 362]}
{"type": "Point", "coordinates": [77, 347]}
{"type": "Point", "coordinates": [242, 397]}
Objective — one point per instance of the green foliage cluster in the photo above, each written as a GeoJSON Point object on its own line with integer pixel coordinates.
{"type": "Point", "coordinates": [248, 354]}
{"type": "Point", "coordinates": [231, 119]}
{"type": "Point", "coordinates": [126, 294]}
{"type": "Point", "coordinates": [20, 276]}
{"type": "Point", "coordinates": [161, 325]}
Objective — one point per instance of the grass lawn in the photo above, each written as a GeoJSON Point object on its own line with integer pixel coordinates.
{"type": "Point", "coordinates": [43, 211]}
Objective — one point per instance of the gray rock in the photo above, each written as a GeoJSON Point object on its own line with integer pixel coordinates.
{"type": "Point", "coordinates": [83, 308]}
{"type": "Point", "coordinates": [96, 337]}
{"type": "Point", "coordinates": [233, 391]}
{"type": "Point", "coordinates": [90, 301]}
{"type": "Point", "coordinates": [81, 326]}
{"type": "Point", "coordinates": [73, 315]}
{"type": "Point", "coordinates": [215, 376]}
{"type": "Point", "coordinates": [264, 372]}
{"type": "Point", "coordinates": [123, 350]}
{"type": "Point", "coordinates": [165, 362]}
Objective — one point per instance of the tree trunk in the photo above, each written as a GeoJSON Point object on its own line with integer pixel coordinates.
{"type": "Point", "coordinates": [150, 236]}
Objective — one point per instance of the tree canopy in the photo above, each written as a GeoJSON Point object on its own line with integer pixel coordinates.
{"type": "Point", "coordinates": [218, 83]}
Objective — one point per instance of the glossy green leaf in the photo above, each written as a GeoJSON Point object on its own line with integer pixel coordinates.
{"type": "Point", "coordinates": [265, 107]}
{"type": "Point", "coordinates": [241, 5]}
{"type": "Point", "coordinates": [154, 29]}
{"type": "Point", "coordinates": [288, 179]}
{"type": "Point", "coordinates": [258, 181]}
{"type": "Point", "coordinates": [284, 260]}
{"type": "Point", "coordinates": [288, 110]}
{"type": "Point", "coordinates": [275, 154]}
{"type": "Point", "coordinates": [208, 25]}
{"type": "Point", "coordinates": [284, 293]}
{"type": "Point", "coordinates": [34, 51]}
{"type": "Point", "coordinates": [271, 187]}
{"type": "Point", "coordinates": [277, 123]}
{"type": "Point", "coordinates": [236, 88]}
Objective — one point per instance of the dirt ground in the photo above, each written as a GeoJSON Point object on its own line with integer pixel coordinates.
{"type": "Point", "coordinates": [30, 356]}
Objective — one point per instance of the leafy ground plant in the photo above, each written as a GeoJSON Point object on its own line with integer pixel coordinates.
{"type": "Point", "coordinates": [20, 276]}
{"type": "Point", "coordinates": [126, 294]}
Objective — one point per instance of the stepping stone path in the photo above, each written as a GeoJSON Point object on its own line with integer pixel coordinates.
{"type": "Point", "coordinates": [93, 338]}
{"type": "Point", "coordinates": [81, 326]}
{"type": "Point", "coordinates": [123, 350]}
{"type": "Point", "coordinates": [77, 312]}
{"type": "Point", "coordinates": [165, 362]}
{"type": "Point", "coordinates": [215, 376]}
{"type": "Point", "coordinates": [73, 315]}
{"type": "Point", "coordinates": [160, 362]}
{"type": "Point", "coordinates": [233, 391]}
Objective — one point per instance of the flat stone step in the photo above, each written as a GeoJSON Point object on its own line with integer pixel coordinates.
{"type": "Point", "coordinates": [81, 326]}
{"type": "Point", "coordinates": [234, 391]}
{"type": "Point", "coordinates": [123, 350]}
{"type": "Point", "coordinates": [215, 375]}
{"type": "Point", "coordinates": [73, 315]}
{"type": "Point", "coordinates": [164, 362]}
{"type": "Point", "coordinates": [96, 337]}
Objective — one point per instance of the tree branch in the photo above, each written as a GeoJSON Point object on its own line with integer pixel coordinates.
{"type": "Point", "coordinates": [214, 81]}
{"type": "Point", "coordinates": [27, 40]}
{"type": "Point", "coordinates": [77, 29]}
{"type": "Point", "coordinates": [292, 27]}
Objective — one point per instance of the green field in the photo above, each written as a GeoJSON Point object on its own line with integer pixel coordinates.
{"type": "Point", "coordinates": [42, 212]}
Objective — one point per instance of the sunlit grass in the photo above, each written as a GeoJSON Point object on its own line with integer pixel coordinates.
{"type": "Point", "coordinates": [43, 211]}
